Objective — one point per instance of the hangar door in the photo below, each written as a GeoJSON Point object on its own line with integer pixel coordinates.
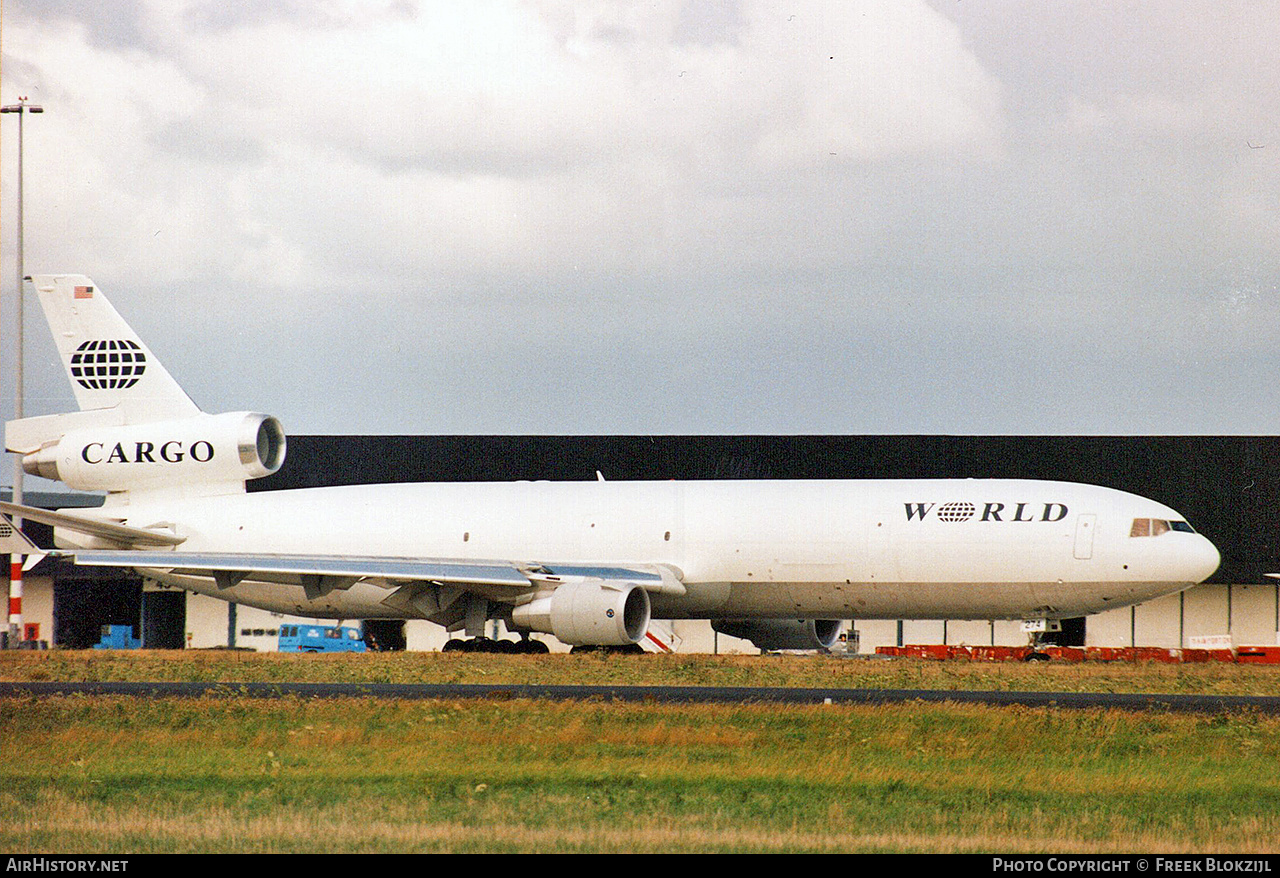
{"type": "Point", "coordinates": [164, 619]}
{"type": "Point", "coordinates": [81, 606]}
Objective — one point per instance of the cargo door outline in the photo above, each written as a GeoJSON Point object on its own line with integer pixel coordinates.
{"type": "Point", "coordinates": [1086, 523]}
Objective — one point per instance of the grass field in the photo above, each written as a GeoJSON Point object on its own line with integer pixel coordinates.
{"type": "Point", "coordinates": [228, 774]}
{"type": "Point", "coordinates": [700, 670]}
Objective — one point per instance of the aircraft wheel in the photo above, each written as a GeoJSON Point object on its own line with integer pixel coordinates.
{"type": "Point", "coordinates": [455, 645]}
{"type": "Point", "coordinates": [1036, 657]}
{"type": "Point", "coordinates": [629, 649]}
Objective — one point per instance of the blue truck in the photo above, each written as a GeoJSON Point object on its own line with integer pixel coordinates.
{"type": "Point", "coordinates": [118, 637]}
{"type": "Point", "coordinates": [320, 638]}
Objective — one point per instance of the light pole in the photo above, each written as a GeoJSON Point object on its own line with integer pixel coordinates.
{"type": "Point", "coordinates": [15, 561]}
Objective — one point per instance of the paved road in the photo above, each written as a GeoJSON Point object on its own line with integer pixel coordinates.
{"type": "Point", "coordinates": [654, 694]}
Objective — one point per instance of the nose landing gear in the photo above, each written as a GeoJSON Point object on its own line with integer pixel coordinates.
{"type": "Point", "coordinates": [1035, 630]}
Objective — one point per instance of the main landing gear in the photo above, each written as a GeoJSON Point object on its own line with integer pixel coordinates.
{"type": "Point", "coordinates": [629, 649]}
{"type": "Point", "coordinates": [503, 647]}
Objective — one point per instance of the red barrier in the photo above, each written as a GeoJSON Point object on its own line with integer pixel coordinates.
{"type": "Point", "coordinates": [1066, 653]}
{"type": "Point", "coordinates": [1198, 656]}
{"type": "Point", "coordinates": [1265, 655]}
{"type": "Point", "coordinates": [999, 653]}
{"type": "Point", "coordinates": [942, 652]}
{"type": "Point", "coordinates": [936, 651]}
{"type": "Point", "coordinates": [1156, 654]}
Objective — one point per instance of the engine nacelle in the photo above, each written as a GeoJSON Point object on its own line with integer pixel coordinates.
{"type": "Point", "coordinates": [770, 634]}
{"type": "Point", "coordinates": [589, 614]}
{"type": "Point", "coordinates": [196, 451]}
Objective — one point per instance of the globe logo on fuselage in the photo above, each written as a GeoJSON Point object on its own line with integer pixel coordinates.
{"type": "Point", "coordinates": [963, 510]}
{"type": "Point", "coordinates": [108, 364]}
{"type": "Point", "coordinates": [956, 511]}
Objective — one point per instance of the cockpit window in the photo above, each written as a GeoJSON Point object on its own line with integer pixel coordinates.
{"type": "Point", "coordinates": [1154, 527]}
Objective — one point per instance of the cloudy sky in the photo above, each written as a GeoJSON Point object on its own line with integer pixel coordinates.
{"type": "Point", "coordinates": [675, 216]}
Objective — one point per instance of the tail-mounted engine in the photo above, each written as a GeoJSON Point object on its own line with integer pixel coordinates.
{"type": "Point", "coordinates": [205, 450]}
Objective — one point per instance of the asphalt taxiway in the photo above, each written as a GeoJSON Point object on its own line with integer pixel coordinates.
{"type": "Point", "coordinates": [654, 694]}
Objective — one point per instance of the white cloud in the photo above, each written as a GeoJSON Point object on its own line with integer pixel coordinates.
{"type": "Point", "coordinates": [470, 138]}
{"type": "Point", "coordinates": [686, 182]}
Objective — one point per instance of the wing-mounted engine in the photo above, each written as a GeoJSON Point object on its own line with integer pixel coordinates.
{"type": "Point", "coordinates": [588, 613]}
{"type": "Point", "coordinates": [770, 634]}
{"type": "Point", "coordinates": [197, 453]}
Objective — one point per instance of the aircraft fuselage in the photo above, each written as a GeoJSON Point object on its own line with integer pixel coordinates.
{"type": "Point", "coordinates": [865, 549]}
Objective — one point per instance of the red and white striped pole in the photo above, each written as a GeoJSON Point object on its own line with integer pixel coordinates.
{"type": "Point", "coordinates": [15, 595]}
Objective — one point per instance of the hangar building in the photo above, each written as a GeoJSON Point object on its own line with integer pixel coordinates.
{"type": "Point", "coordinates": [1228, 487]}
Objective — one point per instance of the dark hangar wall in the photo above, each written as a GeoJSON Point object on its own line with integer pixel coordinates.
{"type": "Point", "coordinates": [1228, 487]}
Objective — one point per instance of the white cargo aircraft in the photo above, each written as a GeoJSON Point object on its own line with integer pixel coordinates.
{"type": "Point", "coordinates": [779, 562]}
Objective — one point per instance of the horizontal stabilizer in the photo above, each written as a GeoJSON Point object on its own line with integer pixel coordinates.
{"type": "Point", "coordinates": [30, 434]}
{"type": "Point", "coordinates": [117, 533]}
{"type": "Point", "coordinates": [14, 542]}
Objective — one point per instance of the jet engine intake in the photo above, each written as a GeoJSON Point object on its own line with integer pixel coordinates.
{"type": "Point", "coordinates": [588, 613]}
{"type": "Point", "coordinates": [770, 634]}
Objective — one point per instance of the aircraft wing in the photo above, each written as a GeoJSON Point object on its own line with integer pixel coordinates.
{"type": "Point", "coordinates": [321, 574]}
{"type": "Point", "coordinates": [318, 574]}
{"type": "Point", "coordinates": [289, 568]}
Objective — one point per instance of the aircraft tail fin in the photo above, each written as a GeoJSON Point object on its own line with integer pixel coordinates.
{"type": "Point", "coordinates": [108, 365]}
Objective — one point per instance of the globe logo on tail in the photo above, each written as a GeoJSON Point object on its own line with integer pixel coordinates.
{"type": "Point", "coordinates": [108, 364]}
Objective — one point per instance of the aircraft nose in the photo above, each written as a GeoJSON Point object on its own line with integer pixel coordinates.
{"type": "Point", "coordinates": [1203, 559]}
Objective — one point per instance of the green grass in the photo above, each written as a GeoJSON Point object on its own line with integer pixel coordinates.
{"type": "Point", "coordinates": [100, 774]}
{"type": "Point", "coordinates": [132, 775]}
{"type": "Point", "coordinates": [703, 670]}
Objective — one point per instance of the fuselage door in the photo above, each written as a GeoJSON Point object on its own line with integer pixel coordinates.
{"type": "Point", "coordinates": [1085, 526]}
